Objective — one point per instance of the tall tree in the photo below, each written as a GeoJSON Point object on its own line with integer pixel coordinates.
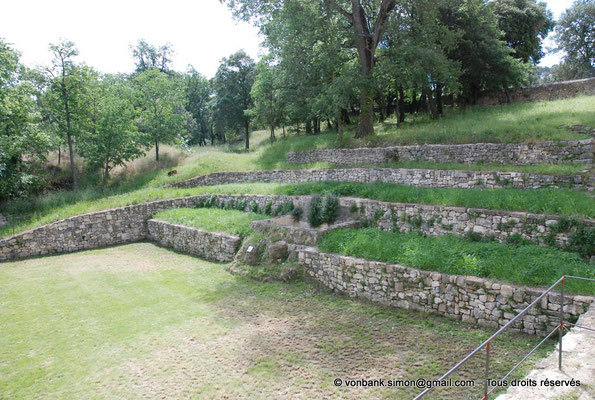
{"type": "Point", "coordinates": [525, 24]}
{"type": "Point", "coordinates": [233, 83]}
{"type": "Point", "coordinates": [19, 133]}
{"type": "Point", "coordinates": [147, 56]}
{"type": "Point", "coordinates": [486, 61]}
{"type": "Point", "coordinates": [161, 108]}
{"type": "Point", "coordinates": [364, 30]}
{"type": "Point", "coordinates": [575, 36]}
{"type": "Point", "coordinates": [111, 137]}
{"type": "Point", "coordinates": [198, 94]}
{"type": "Point", "coordinates": [67, 82]}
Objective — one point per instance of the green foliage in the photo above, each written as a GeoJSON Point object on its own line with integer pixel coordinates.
{"type": "Point", "coordinates": [525, 24]}
{"type": "Point", "coordinates": [525, 264]}
{"type": "Point", "coordinates": [162, 114]}
{"type": "Point", "coordinates": [315, 211]}
{"type": "Point", "coordinates": [268, 208]}
{"type": "Point", "coordinates": [323, 210]}
{"type": "Point", "coordinates": [574, 36]}
{"type": "Point", "coordinates": [111, 138]}
{"type": "Point", "coordinates": [232, 85]}
{"type": "Point", "coordinates": [19, 134]}
{"type": "Point", "coordinates": [229, 221]}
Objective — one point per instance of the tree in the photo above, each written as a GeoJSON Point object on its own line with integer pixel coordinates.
{"type": "Point", "coordinates": [575, 36]}
{"type": "Point", "coordinates": [198, 94]}
{"type": "Point", "coordinates": [267, 108]}
{"type": "Point", "coordinates": [486, 61]}
{"type": "Point", "coordinates": [233, 83]}
{"type": "Point", "coordinates": [19, 133]}
{"type": "Point", "coordinates": [364, 30]}
{"type": "Point", "coordinates": [111, 137]}
{"type": "Point", "coordinates": [525, 24]}
{"type": "Point", "coordinates": [66, 83]}
{"type": "Point", "coordinates": [147, 56]}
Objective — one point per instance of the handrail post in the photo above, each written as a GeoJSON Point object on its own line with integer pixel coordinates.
{"type": "Point", "coordinates": [561, 325]}
{"type": "Point", "coordinates": [486, 385]}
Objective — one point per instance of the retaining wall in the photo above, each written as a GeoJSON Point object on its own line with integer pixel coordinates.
{"type": "Point", "coordinates": [401, 176]}
{"type": "Point", "coordinates": [491, 153]}
{"type": "Point", "coordinates": [214, 246]}
{"type": "Point", "coordinates": [129, 224]}
{"type": "Point", "coordinates": [544, 92]}
{"type": "Point", "coordinates": [442, 220]}
{"type": "Point", "coordinates": [467, 298]}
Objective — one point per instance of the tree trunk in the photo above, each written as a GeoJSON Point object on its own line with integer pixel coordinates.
{"type": "Point", "coordinates": [439, 106]}
{"type": "Point", "coordinates": [284, 132]}
{"type": "Point", "coordinates": [247, 133]}
{"type": "Point", "coordinates": [105, 177]}
{"type": "Point", "coordinates": [75, 184]}
{"type": "Point", "coordinates": [59, 154]}
{"type": "Point", "coordinates": [156, 150]}
{"type": "Point", "coordinates": [308, 127]}
{"type": "Point", "coordinates": [401, 102]}
{"type": "Point", "coordinates": [345, 117]}
{"type": "Point", "coordinates": [272, 133]}
{"type": "Point", "coordinates": [432, 105]}
{"type": "Point", "coordinates": [366, 114]}
{"type": "Point", "coordinates": [339, 127]}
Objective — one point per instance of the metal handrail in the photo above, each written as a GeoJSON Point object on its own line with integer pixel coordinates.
{"type": "Point", "coordinates": [486, 344]}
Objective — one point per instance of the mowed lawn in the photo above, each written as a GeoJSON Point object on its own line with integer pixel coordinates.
{"type": "Point", "coordinates": [140, 321]}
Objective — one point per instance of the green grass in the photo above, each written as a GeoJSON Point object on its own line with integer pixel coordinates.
{"type": "Point", "coordinates": [212, 219]}
{"type": "Point", "coordinates": [524, 264]}
{"type": "Point", "coordinates": [147, 183]}
{"type": "Point", "coordinates": [550, 201]}
{"type": "Point", "coordinates": [139, 321]}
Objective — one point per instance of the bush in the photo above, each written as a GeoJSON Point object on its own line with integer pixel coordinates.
{"type": "Point", "coordinates": [315, 212]}
{"type": "Point", "coordinates": [323, 210]}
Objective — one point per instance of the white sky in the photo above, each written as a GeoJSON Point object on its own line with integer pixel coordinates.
{"type": "Point", "coordinates": [201, 31]}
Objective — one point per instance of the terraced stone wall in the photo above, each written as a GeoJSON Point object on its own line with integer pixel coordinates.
{"type": "Point", "coordinates": [490, 153]}
{"type": "Point", "coordinates": [466, 298]}
{"type": "Point", "coordinates": [129, 224]}
{"type": "Point", "coordinates": [436, 220]}
{"type": "Point", "coordinates": [212, 246]}
{"type": "Point", "coordinates": [401, 176]}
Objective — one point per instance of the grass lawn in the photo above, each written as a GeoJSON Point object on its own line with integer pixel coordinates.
{"type": "Point", "coordinates": [139, 321]}
{"type": "Point", "coordinates": [212, 219]}
{"type": "Point", "coordinates": [523, 264]}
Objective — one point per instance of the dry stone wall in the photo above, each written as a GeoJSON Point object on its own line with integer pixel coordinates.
{"type": "Point", "coordinates": [471, 299]}
{"type": "Point", "coordinates": [545, 92]}
{"type": "Point", "coordinates": [129, 224]}
{"type": "Point", "coordinates": [401, 176]}
{"type": "Point", "coordinates": [111, 227]}
{"type": "Point", "coordinates": [491, 153]}
{"type": "Point", "coordinates": [436, 220]}
{"type": "Point", "coordinates": [214, 246]}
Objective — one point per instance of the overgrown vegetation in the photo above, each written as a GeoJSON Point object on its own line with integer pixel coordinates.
{"type": "Point", "coordinates": [323, 210]}
{"type": "Point", "coordinates": [524, 264]}
{"type": "Point", "coordinates": [229, 221]}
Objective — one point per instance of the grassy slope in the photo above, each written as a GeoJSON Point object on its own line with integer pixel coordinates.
{"type": "Point", "coordinates": [148, 185]}
{"type": "Point", "coordinates": [211, 219]}
{"type": "Point", "coordinates": [525, 264]}
{"type": "Point", "coordinates": [139, 321]}
{"type": "Point", "coordinates": [561, 201]}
